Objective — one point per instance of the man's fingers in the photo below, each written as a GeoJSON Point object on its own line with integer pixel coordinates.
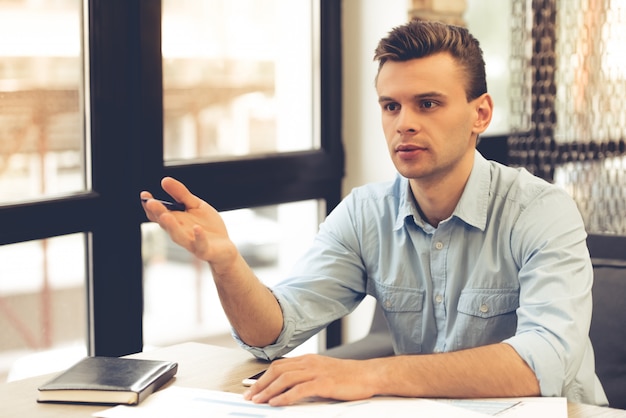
{"type": "Point", "coordinates": [294, 394]}
{"type": "Point", "coordinates": [180, 193]}
{"type": "Point", "coordinates": [284, 383]}
{"type": "Point", "coordinates": [276, 392]}
{"type": "Point", "coordinates": [152, 208]}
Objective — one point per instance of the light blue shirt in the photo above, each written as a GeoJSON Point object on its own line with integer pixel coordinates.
{"type": "Point", "coordinates": [510, 265]}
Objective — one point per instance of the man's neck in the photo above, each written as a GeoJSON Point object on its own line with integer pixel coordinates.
{"type": "Point", "coordinates": [436, 200]}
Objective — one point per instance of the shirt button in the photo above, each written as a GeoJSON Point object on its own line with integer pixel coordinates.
{"type": "Point", "coordinates": [484, 308]}
{"type": "Point", "coordinates": [387, 304]}
{"type": "Point", "coordinates": [439, 245]}
{"type": "Point", "coordinates": [438, 298]}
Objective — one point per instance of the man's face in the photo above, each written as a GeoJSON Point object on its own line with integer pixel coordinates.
{"type": "Point", "coordinates": [430, 127]}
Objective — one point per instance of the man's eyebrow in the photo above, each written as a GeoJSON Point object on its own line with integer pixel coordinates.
{"type": "Point", "coordinates": [429, 95]}
{"type": "Point", "coordinates": [421, 96]}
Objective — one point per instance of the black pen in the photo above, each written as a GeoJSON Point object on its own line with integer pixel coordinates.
{"type": "Point", "coordinates": [169, 205]}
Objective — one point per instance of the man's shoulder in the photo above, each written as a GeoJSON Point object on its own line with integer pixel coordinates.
{"type": "Point", "coordinates": [385, 200]}
{"type": "Point", "coordinates": [518, 184]}
{"type": "Point", "coordinates": [379, 190]}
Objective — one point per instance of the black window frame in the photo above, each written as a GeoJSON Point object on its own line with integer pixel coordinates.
{"type": "Point", "coordinates": [126, 151]}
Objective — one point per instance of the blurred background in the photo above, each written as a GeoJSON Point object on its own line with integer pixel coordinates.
{"type": "Point", "coordinates": [236, 97]}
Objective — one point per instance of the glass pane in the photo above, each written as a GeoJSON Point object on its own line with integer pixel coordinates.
{"type": "Point", "coordinates": [490, 23]}
{"type": "Point", "coordinates": [42, 306]}
{"type": "Point", "coordinates": [181, 303]}
{"type": "Point", "coordinates": [599, 189]}
{"type": "Point", "coordinates": [41, 124]}
{"type": "Point", "coordinates": [590, 73]}
{"type": "Point", "coordinates": [238, 77]}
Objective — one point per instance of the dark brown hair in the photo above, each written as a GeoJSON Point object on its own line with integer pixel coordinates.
{"type": "Point", "coordinates": [421, 38]}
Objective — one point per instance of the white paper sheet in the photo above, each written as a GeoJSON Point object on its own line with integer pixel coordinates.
{"type": "Point", "coordinates": [191, 403]}
{"type": "Point", "coordinates": [514, 407]}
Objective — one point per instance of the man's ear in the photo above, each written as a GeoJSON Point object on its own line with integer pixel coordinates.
{"type": "Point", "coordinates": [484, 112]}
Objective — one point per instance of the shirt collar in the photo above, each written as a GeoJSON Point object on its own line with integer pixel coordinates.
{"type": "Point", "coordinates": [407, 207]}
{"type": "Point", "coordinates": [472, 207]}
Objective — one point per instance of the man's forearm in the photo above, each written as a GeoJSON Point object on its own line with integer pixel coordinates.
{"type": "Point", "coordinates": [490, 371]}
{"type": "Point", "coordinates": [251, 308]}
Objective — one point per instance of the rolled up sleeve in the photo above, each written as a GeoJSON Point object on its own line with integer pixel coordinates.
{"type": "Point", "coordinates": [282, 345]}
{"type": "Point", "coordinates": [555, 309]}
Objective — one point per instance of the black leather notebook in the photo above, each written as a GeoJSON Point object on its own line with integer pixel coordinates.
{"type": "Point", "coordinates": [108, 380]}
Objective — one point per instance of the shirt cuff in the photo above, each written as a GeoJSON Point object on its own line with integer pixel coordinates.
{"type": "Point", "coordinates": [543, 359]}
{"type": "Point", "coordinates": [282, 345]}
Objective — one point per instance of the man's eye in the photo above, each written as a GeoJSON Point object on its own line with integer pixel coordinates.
{"type": "Point", "coordinates": [392, 107]}
{"type": "Point", "coordinates": [428, 104]}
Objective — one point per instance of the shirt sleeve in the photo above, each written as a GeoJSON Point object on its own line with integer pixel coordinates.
{"type": "Point", "coordinates": [555, 276]}
{"type": "Point", "coordinates": [326, 284]}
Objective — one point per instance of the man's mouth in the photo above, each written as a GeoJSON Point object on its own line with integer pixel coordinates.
{"type": "Point", "coordinates": [409, 152]}
{"type": "Point", "coordinates": [409, 148]}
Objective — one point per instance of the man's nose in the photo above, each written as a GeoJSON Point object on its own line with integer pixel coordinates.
{"type": "Point", "coordinates": [407, 122]}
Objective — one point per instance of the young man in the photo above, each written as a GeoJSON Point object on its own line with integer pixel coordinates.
{"type": "Point", "coordinates": [482, 270]}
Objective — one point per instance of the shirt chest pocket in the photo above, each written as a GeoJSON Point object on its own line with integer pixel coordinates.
{"type": "Point", "coordinates": [486, 316]}
{"type": "Point", "coordinates": [403, 309]}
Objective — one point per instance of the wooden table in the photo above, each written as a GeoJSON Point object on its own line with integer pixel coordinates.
{"type": "Point", "coordinates": [199, 366]}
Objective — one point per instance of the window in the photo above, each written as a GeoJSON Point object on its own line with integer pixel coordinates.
{"type": "Point", "coordinates": [568, 92]}
{"type": "Point", "coordinates": [118, 115]}
{"type": "Point", "coordinates": [239, 77]}
{"type": "Point", "coordinates": [270, 238]}
{"type": "Point", "coordinates": [590, 73]}
{"type": "Point", "coordinates": [41, 77]}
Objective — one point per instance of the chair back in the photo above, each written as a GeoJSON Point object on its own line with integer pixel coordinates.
{"type": "Point", "coordinates": [608, 322]}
